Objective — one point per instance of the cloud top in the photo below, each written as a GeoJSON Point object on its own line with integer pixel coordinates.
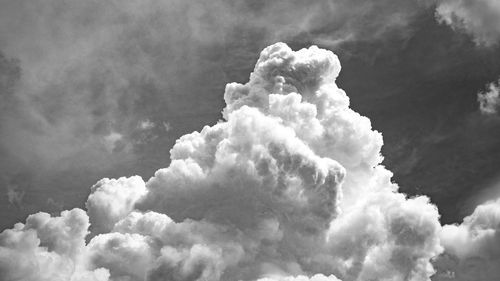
{"type": "Point", "coordinates": [288, 186]}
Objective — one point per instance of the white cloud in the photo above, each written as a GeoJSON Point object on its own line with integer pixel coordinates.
{"type": "Point", "coordinates": [479, 18]}
{"type": "Point", "coordinates": [126, 256]}
{"type": "Point", "coordinates": [113, 199]}
{"type": "Point", "coordinates": [48, 249]}
{"type": "Point", "coordinates": [489, 101]}
{"type": "Point", "coordinates": [289, 184]}
{"type": "Point", "coordinates": [88, 71]}
{"type": "Point", "coordinates": [472, 250]}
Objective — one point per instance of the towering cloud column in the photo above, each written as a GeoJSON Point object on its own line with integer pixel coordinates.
{"type": "Point", "coordinates": [288, 186]}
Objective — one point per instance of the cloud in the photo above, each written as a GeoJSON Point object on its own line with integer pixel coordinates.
{"type": "Point", "coordinates": [79, 78]}
{"type": "Point", "coordinates": [112, 199]}
{"type": "Point", "coordinates": [91, 70]}
{"type": "Point", "coordinates": [288, 186]}
{"type": "Point", "coordinates": [478, 18]}
{"type": "Point", "coordinates": [86, 69]}
{"type": "Point", "coordinates": [472, 250]}
{"type": "Point", "coordinates": [15, 195]}
{"type": "Point", "coordinates": [47, 248]}
{"type": "Point", "coordinates": [317, 277]}
{"type": "Point", "coordinates": [489, 101]}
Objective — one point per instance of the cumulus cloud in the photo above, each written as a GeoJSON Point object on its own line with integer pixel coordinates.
{"type": "Point", "coordinates": [112, 199]}
{"type": "Point", "coordinates": [472, 251]}
{"type": "Point", "coordinates": [289, 186]}
{"type": "Point", "coordinates": [479, 18]}
{"type": "Point", "coordinates": [47, 248]}
{"type": "Point", "coordinates": [489, 101]}
{"type": "Point", "coordinates": [78, 79]}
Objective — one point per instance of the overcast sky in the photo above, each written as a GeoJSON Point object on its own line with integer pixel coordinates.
{"type": "Point", "coordinates": [103, 89]}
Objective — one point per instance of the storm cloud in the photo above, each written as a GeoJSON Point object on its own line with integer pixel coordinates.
{"type": "Point", "coordinates": [289, 184]}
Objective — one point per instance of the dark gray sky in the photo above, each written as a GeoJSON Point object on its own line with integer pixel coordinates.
{"type": "Point", "coordinates": [93, 89]}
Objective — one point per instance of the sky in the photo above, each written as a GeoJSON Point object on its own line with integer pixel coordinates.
{"type": "Point", "coordinates": [182, 135]}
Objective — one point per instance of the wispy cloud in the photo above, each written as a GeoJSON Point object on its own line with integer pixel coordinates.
{"type": "Point", "coordinates": [479, 18]}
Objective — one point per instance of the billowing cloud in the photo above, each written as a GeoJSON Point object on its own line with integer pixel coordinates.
{"type": "Point", "coordinates": [79, 79]}
{"type": "Point", "coordinates": [489, 100]}
{"type": "Point", "coordinates": [479, 18]}
{"type": "Point", "coordinates": [472, 250]}
{"type": "Point", "coordinates": [47, 248]}
{"type": "Point", "coordinates": [111, 200]}
{"type": "Point", "coordinates": [288, 186]}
